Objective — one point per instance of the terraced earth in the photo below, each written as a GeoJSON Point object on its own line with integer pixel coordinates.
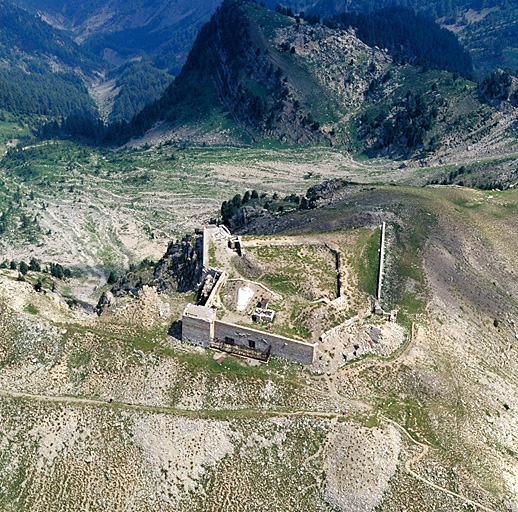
{"type": "Point", "coordinates": [98, 210]}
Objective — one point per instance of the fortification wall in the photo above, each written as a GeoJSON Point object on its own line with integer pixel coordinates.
{"type": "Point", "coordinates": [217, 287]}
{"type": "Point", "coordinates": [281, 346]}
{"type": "Point", "coordinates": [207, 236]}
{"type": "Point", "coordinates": [381, 262]}
{"type": "Point", "coordinates": [200, 327]}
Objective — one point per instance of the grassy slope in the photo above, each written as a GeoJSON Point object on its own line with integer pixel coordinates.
{"type": "Point", "coordinates": [451, 269]}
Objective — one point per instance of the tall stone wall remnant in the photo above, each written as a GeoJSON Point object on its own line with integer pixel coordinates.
{"type": "Point", "coordinates": [382, 262]}
{"type": "Point", "coordinates": [281, 346]}
{"type": "Point", "coordinates": [198, 325]}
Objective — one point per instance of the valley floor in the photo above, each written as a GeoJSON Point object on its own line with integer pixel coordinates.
{"type": "Point", "coordinates": [98, 211]}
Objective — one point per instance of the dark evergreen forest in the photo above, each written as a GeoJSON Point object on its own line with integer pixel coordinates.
{"type": "Point", "coordinates": [37, 73]}
{"type": "Point", "coordinates": [140, 84]}
{"type": "Point", "coordinates": [409, 37]}
{"type": "Point", "coordinates": [190, 96]}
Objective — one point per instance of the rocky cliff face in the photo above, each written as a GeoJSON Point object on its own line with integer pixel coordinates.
{"type": "Point", "coordinates": [272, 77]}
{"type": "Point", "coordinates": [181, 267]}
{"type": "Point", "coordinates": [248, 219]}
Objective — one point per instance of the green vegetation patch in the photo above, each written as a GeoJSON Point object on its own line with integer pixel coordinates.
{"type": "Point", "coordinates": [368, 264]}
{"type": "Point", "coordinates": [78, 365]}
{"type": "Point", "coordinates": [30, 308]}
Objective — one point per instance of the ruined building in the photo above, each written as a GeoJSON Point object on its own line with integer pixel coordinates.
{"type": "Point", "coordinates": [200, 325]}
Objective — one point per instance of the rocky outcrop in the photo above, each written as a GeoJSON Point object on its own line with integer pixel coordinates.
{"type": "Point", "coordinates": [181, 267]}
{"type": "Point", "coordinates": [106, 301]}
{"type": "Point", "coordinates": [249, 219]}
{"type": "Point", "coordinates": [325, 189]}
{"type": "Point", "coordinates": [258, 220]}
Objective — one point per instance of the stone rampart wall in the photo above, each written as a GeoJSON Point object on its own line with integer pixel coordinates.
{"type": "Point", "coordinates": [215, 290]}
{"type": "Point", "coordinates": [281, 346]}
{"type": "Point", "coordinates": [207, 236]}
{"type": "Point", "coordinates": [381, 261]}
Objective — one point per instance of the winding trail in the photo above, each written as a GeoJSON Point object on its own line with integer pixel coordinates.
{"type": "Point", "coordinates": [421, 455]}
{"type": "Point", "coordinates": [425, 447]}
{"type": "Point", "coordinates": [332, 415]}
{"type": "Point", "coordinates": [203, 413]}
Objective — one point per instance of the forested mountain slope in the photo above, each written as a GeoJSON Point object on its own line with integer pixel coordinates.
{"type": "Point", "coordinates": [119, 35]}
{"type": "Point", "coordinates": [161, 34]}
{"type": "Point", "coordinates": [41, 68]}
{"type": "Point", "coordinates": [255, 74]}
{"type": "Point", "coordinates": [163, 31]}
{"type": "Point", "coordinates": [409, 37]}
{"type": "Point", "coordinates": [488, 28]}
{"type": "Point", "coordinates": [137, 84]}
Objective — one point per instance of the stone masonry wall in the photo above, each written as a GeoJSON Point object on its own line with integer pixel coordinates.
{"type": "Point", "coordinates": [281, 346]}
{"type": "Point", "coordinates": [217, 287]}
{"type": "Point", "coordinates": [381, 262]}
{"type": "Point", "coordinates": [197, 331]}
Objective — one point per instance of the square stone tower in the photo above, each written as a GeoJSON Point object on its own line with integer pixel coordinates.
{"type": "Point", "coordinates": [198, 325]}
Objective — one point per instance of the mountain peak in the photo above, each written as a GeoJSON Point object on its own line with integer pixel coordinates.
{"type": "Point", "coordinates": [255, 75]}
{"type": "Point", "coordinates": [271, 75]}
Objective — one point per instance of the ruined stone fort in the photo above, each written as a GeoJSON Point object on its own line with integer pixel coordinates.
{"type": "Point", "coordinates": [205, 323]}
{"type": "Point", "coordinates": [200, 325]}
